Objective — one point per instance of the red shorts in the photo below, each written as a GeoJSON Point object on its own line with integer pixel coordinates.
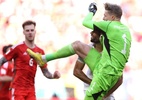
{"type": "Point", "coordinates": [4, 98]}
{"type": "Point", "coordinates": [4, 94]}
{"type": "Point", "coordinates": [22, 94]}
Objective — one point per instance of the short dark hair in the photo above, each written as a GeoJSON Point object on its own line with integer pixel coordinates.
{"type": "Point", "coordinates": [5, 48]}
{"type": "Point", "coordinates": [28, 22]}
{"type": "Point", "coordinates": [97, 30]}
{"type": "Point", "coordinates": [113, 9]}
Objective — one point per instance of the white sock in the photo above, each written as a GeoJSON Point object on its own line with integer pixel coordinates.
{"type": "Point", "coordinates": [44, 58]}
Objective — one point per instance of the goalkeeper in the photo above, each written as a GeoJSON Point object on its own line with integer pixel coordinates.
{"type": "Point", "coordinates": [116, 49]}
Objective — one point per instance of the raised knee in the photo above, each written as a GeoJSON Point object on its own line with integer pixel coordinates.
{"type": "Point", "coordinates": [76, 44]}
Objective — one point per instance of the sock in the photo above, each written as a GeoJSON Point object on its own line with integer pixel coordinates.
{"type": "Point", "coordinates": [43, 58]}
{"type": "Point", "coordinates": [61, 53]}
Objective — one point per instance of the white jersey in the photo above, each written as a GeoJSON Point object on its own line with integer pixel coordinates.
{"type": "Point", "coordinates": [89, 75]}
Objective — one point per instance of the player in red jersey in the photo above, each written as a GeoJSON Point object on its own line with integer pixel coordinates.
{"type": "Point", "coordinates": [25, 66]}
{"type": "Point", "coordinates": [5, 76]}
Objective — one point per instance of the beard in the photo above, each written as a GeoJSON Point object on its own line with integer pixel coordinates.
{"type": "Point", "coordinates": [30, 39]}
{"type": "Point", "coordinates": [95, 41]}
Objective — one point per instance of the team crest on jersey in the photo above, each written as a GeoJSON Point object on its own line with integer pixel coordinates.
{"type": "Point", "coordinates": [25, 53]}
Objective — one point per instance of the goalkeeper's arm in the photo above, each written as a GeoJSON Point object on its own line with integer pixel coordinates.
{"type": "Point", "coordinates": [87, 22]}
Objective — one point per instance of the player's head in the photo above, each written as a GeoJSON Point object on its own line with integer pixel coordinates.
{"type": "Point", "coordinates": [95, 36]}
{"type": "Point", "coordinates": [113, 12]}
{"type": "Point", "coordinates": [6, 48]}
{"type": "Point", "coordinates": [29, 30]}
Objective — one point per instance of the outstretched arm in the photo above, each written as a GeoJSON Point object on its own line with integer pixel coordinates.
{"type": "Point", "coordinates": [79, 73]}
{"type": "Point", "coordinates": [47, 74]}
{"type": "Point", "coordinates": [87, 22]}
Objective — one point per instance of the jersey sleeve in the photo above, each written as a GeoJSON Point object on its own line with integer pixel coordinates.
{"type": "Point", "coordinates": [103, 25]}
{"type": "Point", "coordinates": [11, 54]}
{"type": "Point", "coordinates": [89, 23]}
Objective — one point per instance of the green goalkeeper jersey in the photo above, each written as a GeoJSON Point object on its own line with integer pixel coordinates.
{"type": "Point", "coordinates": [116, 44]}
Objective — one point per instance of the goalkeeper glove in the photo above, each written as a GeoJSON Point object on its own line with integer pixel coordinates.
{"type": "Point", "coordinates": [93, 8]}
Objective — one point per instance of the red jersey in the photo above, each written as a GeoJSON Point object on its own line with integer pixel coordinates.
{"type": "Point", "coordinates": [25, 66]}
{"type": "Point", "coordinates": [5, 70]}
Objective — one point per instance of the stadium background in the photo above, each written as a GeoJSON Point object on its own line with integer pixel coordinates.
{"type": "Point", "coordinates": [59, 22]}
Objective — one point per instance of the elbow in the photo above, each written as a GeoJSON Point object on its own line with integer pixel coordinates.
{"type": "Point", "coordinates": [76, 72]}
{"type": "Point", "coordinates": [120, 81]}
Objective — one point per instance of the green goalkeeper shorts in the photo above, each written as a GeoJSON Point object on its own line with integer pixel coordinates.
{"type": "Point", "coordinates": [98, 83]}
{"type": "Point", "coordinates": [92, 59]}
{"type": "Point", "coordinates": [101, 82]}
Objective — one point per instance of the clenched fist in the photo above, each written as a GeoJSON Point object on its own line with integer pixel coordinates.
{"type": "Point", "coordinates": [56, 75]}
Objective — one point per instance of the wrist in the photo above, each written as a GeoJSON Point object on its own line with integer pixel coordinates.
{"type": "Point", "coordinates": [94, 12]}
{"type": "Point", "coordinates": [91, 14]}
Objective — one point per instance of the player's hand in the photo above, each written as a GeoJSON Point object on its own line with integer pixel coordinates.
{"type": "Point", "coordinates": [93, 8]}
{"type": "Point", "coordinates": [56, 75]}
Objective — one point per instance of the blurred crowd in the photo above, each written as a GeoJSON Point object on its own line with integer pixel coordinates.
{"type": "Point", "coordinates": [59, 22]}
